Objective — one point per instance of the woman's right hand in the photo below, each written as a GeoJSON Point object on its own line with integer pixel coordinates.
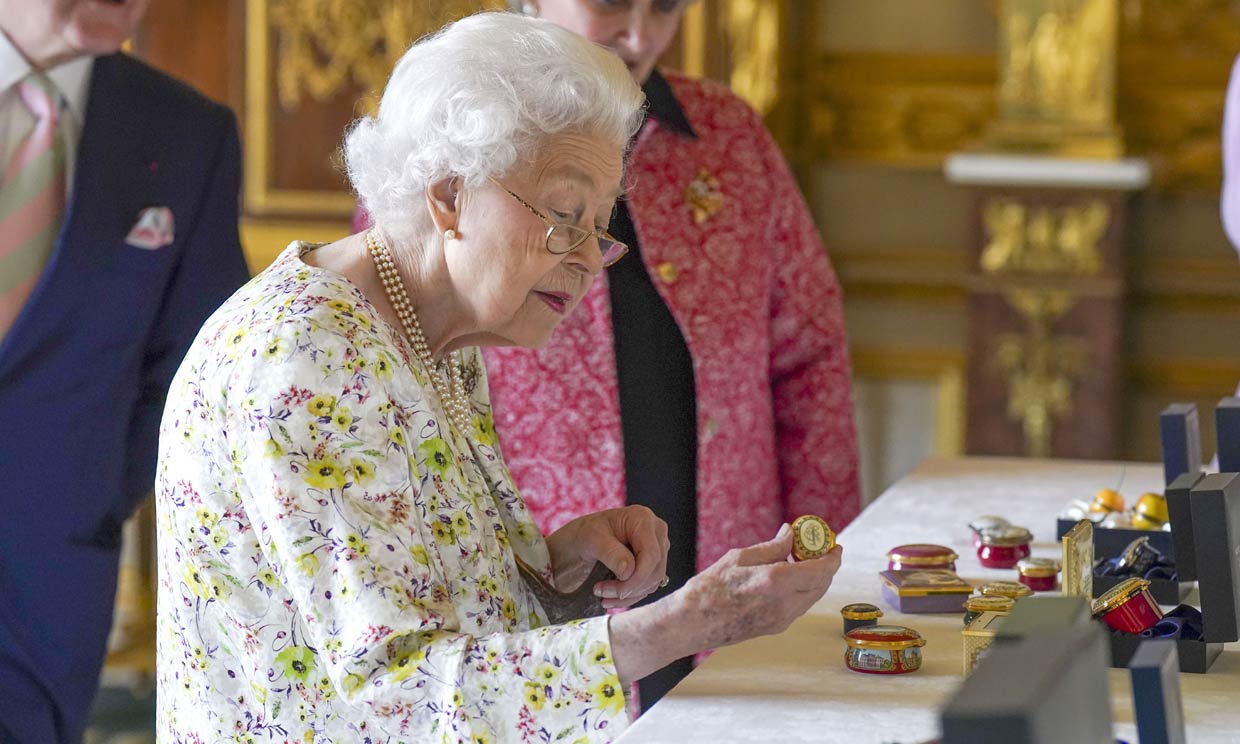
{"type": "Point", "coordinates": [755, 591]}
{"type": "Point", "coordinates": [747, 593]}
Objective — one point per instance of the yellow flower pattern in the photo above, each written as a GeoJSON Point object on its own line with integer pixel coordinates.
{"type": "Point", "coordinates": [334, 556]}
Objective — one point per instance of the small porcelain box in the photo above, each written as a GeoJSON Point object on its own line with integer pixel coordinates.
{"type": "Point", "coordinates": [926, 590]}
{"type": "Point", "coordinates": [811, 538]}
{"type": "Point", "coordinates": [983, 523]}
{"type": "Point", "coordinates": [974, 606]}
{"type": "Point", "coordinates": [1039, 574]}
{"type": "Point", "coordinates": [1013, 590]}
{"type": "Point", "coordinates": [860, 615]}
{"type": "Point", "coordinates": [884, 649]}
{"type": "Point", "coordinates": [1128, 606]}
{"type": "Point", "coordinates": [921, 555]}
{"type": "Point", "coordinates": [1004, 547]}
{"type": "Point", "coordinates": [978, 636]}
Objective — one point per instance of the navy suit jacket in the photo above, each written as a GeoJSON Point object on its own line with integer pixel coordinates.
{"type": "Point", "coordinates": [83, 375]}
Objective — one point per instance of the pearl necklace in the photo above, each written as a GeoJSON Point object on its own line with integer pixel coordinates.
{"type": "Point", "coordinates": [447, 383]}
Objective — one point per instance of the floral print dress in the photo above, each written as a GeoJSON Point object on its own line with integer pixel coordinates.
{"type": "Point", "coordinates": [337, 562]}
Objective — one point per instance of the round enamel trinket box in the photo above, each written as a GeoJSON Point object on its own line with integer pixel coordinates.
{"type": "Point", "coordinates": [1004, 547]}
{"type": "Point", "coordinates": [884, 649]}
{"type": "Point", "coordinates": [860, 615]}
{"type": "Point", "coordinates": [1128, 606]}
{"type": "Point", "coordinates": [1013, 590]}
{"type": "Point", "coordinates": [1039, 574]}
{"type": "Point", "coordinates": [811, 538]}
{"type": "Point", "coordinates": [921, 555]}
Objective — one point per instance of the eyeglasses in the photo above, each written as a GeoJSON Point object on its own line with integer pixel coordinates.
{"type": "Point", "coordinates": [563, 238]}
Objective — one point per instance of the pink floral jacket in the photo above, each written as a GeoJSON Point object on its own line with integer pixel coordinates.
{"type": "Point", "coordinates": [734, 253]}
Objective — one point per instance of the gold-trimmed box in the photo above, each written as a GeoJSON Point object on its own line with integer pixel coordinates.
{"type": "Point", "coordinates": [1078, 561]}
{"type": "Point", "coordinates": [978, 637]}
{"type": "Point", "coordinates": [925, 590]}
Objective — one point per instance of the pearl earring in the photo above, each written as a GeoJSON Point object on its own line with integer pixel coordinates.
{"type": "Point", "coordinates": [529, 9]}
{"type": "Point", "coordinates": [449, 234]}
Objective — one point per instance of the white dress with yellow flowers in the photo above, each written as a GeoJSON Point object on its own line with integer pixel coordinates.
{"type": "Point", "coordinates": [335, 563]}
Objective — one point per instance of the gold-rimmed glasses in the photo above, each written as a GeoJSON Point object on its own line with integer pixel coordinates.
{"type": "Point", "coordinates": [563, 238]}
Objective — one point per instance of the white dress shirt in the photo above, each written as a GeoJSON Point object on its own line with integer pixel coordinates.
{"type": "Point", "coordinates": [71, 79]}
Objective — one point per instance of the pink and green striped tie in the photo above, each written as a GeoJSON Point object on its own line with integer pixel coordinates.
{"type": "Point", "coordinates": [32, 199]}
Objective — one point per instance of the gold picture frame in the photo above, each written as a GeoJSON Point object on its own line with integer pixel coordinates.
{"type": "Point", "coordinates": [262, 197]}
{"type": "Point", "coordinates": [1078, 561]}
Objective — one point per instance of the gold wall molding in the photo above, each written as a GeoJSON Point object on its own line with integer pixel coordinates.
{"type": "Point", "coordinates": [322, 49]}
{"type": "Point", "coordinates": [912, 110]}
{"type": "Point", "coordinates": [1196, 27]}
{"type": "Point", "coordinates": [899, 109]}
{"type": "Point", "coordinates": [326, 46]}
{"type": "Point", "coordinates": [261, 196]}
{"type": "Point", "coordinates": [1183, 377]}
{"type": "Point", "coordinates": [940, 275]}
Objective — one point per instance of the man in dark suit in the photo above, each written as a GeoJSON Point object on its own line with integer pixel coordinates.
{"type": "Point", "coordinates": [118, 237]}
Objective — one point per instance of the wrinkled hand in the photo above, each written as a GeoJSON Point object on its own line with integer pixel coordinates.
{"type": "Point", "coordinates": [756, 591]}
{"type": "Point", "coordinates": [631, 541]}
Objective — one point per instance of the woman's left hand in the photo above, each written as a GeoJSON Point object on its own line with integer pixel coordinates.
{"type": "Point", "coordinates": [631, 541]}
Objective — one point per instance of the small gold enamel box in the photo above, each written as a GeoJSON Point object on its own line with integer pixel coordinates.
{"type": "Point", "coordinates": [811, 537]}
{"type": "Point", "coordinates": [978, 635]}
{"type": "Point", "coordinates": [1078, 561]}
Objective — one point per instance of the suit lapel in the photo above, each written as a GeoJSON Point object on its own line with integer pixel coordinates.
{"type": "Point", "coordinates": [113, 177]}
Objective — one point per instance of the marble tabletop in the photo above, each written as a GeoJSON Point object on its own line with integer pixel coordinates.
{"type": "Point", "coordinates": [794, 687]}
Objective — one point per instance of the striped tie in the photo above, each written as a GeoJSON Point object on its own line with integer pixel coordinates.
{"type": "Point", "coordinates": [32, 199]}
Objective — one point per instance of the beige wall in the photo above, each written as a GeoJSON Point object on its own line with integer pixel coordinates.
{"type": "Point", "coordinates": [898, 232]}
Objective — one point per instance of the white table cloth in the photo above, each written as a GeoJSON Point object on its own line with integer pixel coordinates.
{"type": "Point", "coordinates": [794, 687]}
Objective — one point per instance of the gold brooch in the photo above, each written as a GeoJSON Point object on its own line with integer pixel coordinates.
{"type": "Point", "coordinates": [704, 196]}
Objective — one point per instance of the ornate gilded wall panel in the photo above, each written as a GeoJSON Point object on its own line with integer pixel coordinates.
{"type": "Point", "coordinates": [311, 67]}
{"type": "Point", "coordinates": [899, 109]}
{"type": "Point", "coordinates": [1056, 93]}
{"type": "Point", "coordinates": [1174, 57]}
{"type": "Point", "coordinates": [1045, 312]}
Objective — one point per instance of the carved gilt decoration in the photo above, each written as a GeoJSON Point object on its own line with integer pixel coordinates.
{"type": "Point", "coordinates": [326, 46]}
{"type": "Point", "coordinates": [1043, 240]}
{"type": "Point", "coordinates": [1041, 368]}
{"type": "Point", "coordinates": [1036, 243]}
{"type": "Point", "coordinates": [1173, 60]}
{"type": "Point", "coordinates": [1183, 26]}
{"type": "Point", "coordinates": [1057, 61]}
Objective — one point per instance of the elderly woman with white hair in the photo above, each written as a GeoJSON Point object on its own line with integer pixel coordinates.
{"type": "Point", "coordinates": [342, 554]}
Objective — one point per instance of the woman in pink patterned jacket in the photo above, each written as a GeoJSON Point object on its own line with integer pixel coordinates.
{"type": "Point", "coordinates": [706, 375]}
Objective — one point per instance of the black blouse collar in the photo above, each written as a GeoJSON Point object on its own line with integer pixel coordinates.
{"type": "Point", "coordinates": [662, 105]}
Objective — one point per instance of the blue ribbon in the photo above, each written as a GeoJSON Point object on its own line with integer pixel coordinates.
{"type": "Point", "coordinates": [1183, 623]}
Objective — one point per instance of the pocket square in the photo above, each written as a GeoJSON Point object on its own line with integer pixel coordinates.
{"type": "Point", "coordinates": [153, 230]}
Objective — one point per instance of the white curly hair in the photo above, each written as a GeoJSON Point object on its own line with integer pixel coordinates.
{"type": "Point", "coordinates": [474, 98]}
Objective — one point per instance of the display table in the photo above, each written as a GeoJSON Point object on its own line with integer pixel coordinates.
{"type": "Point", "coordinates": [794, 687]}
